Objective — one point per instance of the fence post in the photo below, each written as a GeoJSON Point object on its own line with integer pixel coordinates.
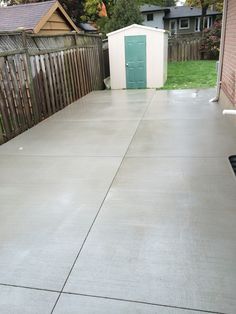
{"type": "Point", "coordinates": [1, 134]}
{"type": "Point", "coordinates": [30, 77]}
{"type": "Point", "coordinates": [100, 52]}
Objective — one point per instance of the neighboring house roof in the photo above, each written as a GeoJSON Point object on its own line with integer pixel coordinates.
{"type": "Point", "coordinates": [176, 12]}
{"type": "Point", "coordinates": [152, 8]}
{"type": "Point", "coordinates": [186, 11]}
{"type": "Point", "coordinates": [137, 26]}
{"type": "Point", "coordinates": [87, 27]}
{"type": "Point", "coordinates": [30, 16]}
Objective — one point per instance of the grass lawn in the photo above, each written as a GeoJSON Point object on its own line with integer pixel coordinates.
{"type": "Point", "coordinates": [191, 74]}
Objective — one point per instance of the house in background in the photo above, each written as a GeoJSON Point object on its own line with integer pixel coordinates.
{"type": "Point", "coordinates": [182, 20]}
{"type": "Point", "coordinates": [153, 15]}
{"type": "Point", "coordinates": [44, 18]}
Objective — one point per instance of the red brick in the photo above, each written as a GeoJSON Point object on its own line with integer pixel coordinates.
{"type": "Point", "coordinates": [229, 61]}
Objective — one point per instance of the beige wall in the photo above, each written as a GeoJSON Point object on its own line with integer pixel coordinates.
{"type": "Point", "coordinates": [55, 25]}
{"type": "Point", "coordinates": [157, 50]}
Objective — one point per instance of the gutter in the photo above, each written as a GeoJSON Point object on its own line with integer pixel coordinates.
{"type": "Point", "coordinates": [222, 46]}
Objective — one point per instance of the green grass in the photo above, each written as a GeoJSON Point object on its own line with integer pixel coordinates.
{"type": "Point", "coordinates": [191, 74]}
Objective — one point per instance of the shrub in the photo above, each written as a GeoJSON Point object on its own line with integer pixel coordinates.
{"type": "Point", "coordinates": [210, 45]}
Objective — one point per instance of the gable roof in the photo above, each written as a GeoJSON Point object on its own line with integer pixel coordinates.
{"type": "Point", "coordinates": [177, 11]}
{"type": "Point", "coordinates": [137, 26]}
{"type": "Point", "coordinates": [31, 16]}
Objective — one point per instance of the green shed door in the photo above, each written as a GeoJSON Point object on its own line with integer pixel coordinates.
{"type": "Point", "coordinates": [135, 61]}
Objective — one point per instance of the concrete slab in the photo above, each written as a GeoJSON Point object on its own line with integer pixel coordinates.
{"type": "Point", "coordinates": [84, 171]}
{"type": "Point", "coordinates": [158, 264]}
{"type": "Point", "coordinates": [109, 110]}
{"type": "Point", "coordinates": [165, 234]}
{"type": "Point", "coordinates": [120, 96]}
{"type": "Point", "coordinates": [165, 239]}
{"type": "Point", "coordinates": [109, 105]}
{"type": "Point", "coordinates": [70, 138]}
{"type": "Point", "coordinates": [47, 207]}
{"type": "Point", "coordinates": [191, 105]}
{"type": "Point", "coordinates": [184, 138]}
{"type": "Point", "coordinates": [18, 300]}
{"type": "Point", "coordinates": [73, 304]}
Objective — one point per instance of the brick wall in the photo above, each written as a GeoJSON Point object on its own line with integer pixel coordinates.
{"type": "Point", "coordinates": [229, 62]}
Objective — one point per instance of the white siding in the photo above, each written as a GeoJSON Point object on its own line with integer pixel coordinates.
{"type": "Point", "coordinates": [165, 70]}
{"type": "Point", "coordinates": [156, 45]}
{"type": "Point", "coordinates": [157, 22]}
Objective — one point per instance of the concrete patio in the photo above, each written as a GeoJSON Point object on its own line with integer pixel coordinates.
{"type": "Point", "coordinates": [124, 202]}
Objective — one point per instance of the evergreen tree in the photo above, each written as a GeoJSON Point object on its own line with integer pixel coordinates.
{"type": "Point", "coordinates": [125, 13]}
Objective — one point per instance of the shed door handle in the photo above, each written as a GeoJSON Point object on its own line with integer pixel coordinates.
{"type": "Point", "coordinates": [127, 64]}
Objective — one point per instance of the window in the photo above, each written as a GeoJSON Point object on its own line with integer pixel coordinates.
{"type": "Point", "coordinates": [150, 17]}
{"type": "Point", "coordinates": [184, 23]}
{"type": "Point", "coordinates": [208, 22]}
{"type": "Point", "coordinates": [197, 24]}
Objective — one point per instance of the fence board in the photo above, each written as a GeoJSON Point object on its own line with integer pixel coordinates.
{"type": "Point", "coordinates": [39, 88]}
{"type": "Point", "coordinates": [12, 72]}
{"type": "Point", "coordinates": [23, 88]}
{"type": "Point", "coordinates": [9, 99]}
{"type": "Point", "coordinates": [58, 82]}
{"type": "Point", "coordinates": [82, 87]}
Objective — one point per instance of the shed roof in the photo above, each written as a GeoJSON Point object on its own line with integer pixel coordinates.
{"type": "Point", "coordinates": [137, 26]}
{"type": "Point", "coordinates": [30, 16]}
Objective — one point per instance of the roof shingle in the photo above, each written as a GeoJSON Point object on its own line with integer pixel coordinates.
{"type": "Point", "coordinates": [23, 15]}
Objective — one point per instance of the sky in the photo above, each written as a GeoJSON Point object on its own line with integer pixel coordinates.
{"type": "Point", "coordinates": [180, 2]}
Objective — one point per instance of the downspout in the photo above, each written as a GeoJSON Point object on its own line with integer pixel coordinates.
{"type": "Point", "coordinates": [222, 46]}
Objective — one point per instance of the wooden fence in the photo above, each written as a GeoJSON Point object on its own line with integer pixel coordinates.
{"type": "Point", "coordinates": [40, 75]}
{"type": "Point", "coordinates": [184, 49]}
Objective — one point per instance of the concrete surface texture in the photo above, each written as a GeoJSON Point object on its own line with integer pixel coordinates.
{"type": "Point", "coordinates": [124, 202]}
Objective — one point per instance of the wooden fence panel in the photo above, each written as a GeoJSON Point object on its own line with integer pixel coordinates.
{"type": "Point", "coordinates": [43, 77]}
{"type": "Point", "coordinates": [16, 106]}
{"type": "Point", "coordinates": [184, 49]}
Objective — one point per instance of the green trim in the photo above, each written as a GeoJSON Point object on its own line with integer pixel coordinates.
{"type": "Point", "coordinates": [136, 62]}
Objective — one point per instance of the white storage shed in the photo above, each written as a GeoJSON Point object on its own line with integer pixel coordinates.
{"type": "Point", "coordinates": [138, 57]}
